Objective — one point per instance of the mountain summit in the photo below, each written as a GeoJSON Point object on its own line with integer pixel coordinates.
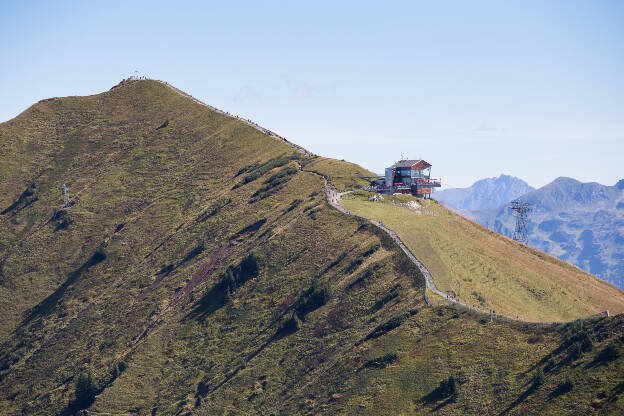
{"type": "Point", "coordinates": [484, 194]}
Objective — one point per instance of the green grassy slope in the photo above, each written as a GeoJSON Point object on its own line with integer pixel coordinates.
{"type": "Point", "coordinates": [200, 272]}
{"type": "Point", "coordinates": [343, 175]}
{"type": "Point", "coordinates": [487, 270]}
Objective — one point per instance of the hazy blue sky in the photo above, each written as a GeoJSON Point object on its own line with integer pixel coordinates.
{"type": "Point", "coordinates": [532, 89]}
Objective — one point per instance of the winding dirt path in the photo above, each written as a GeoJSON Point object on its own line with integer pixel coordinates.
{"type": "Point", "coordinates": [333, 197]}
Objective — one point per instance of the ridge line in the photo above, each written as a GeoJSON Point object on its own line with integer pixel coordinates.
{"type": "Point", "coordinates": [250, 123]}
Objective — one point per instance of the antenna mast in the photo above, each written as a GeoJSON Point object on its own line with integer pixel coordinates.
{"type": "Point", "coordinates": [66, 200]}
{"type": "Point", "coordinates": [520, 210]}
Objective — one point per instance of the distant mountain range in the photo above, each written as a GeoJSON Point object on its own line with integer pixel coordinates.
{"type": "Point", "coordinates": [487, 193]}
{"type": "Point", "coordinates": [582, 223]}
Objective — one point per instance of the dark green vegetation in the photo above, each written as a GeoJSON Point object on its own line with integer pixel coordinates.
{"type": "Point", "coordinates": [167, 291]}
{"type": "Point", "coordinates": [273, 184]}
{"type": "Point", "coordinates": [446, 392]}
{"type": "Point", "coordinates": [257, 170]}
{"type": "Point", "coordinates": [86, 389]}
{"type": "Point", "coordinates": [232, 279]}
{"type": "Point", "coordinates": [381, 362]}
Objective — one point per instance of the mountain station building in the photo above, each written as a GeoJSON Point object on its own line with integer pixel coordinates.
{"type": "Point", "coordinates": [407, 177]}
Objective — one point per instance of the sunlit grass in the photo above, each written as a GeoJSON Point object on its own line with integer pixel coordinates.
{"type": "Point", "coordinates": [487, 270]}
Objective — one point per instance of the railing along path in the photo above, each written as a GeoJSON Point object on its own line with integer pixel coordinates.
{"type": "Point", "coordinates": [333, 197]}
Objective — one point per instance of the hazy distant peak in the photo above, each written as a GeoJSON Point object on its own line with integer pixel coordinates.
{"type": "Point", "coordinates": [564, 180]}
{"type": "Point", "coordinates": [564, 193]}
{"type": "Point", "coordinates": [486, 193]}
{"type": "Point", "coordinates": [580, 222]}
{"type": "Point", "coordinates": [508, 177]}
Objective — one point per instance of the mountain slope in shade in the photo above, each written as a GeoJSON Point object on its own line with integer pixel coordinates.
{"type": "Point", "coordinates": [486, 193]}
{"type": "Point", "coordinates": [582, 223]}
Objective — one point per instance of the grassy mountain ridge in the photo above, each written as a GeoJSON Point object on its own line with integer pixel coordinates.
{"type": "Point", "coordinates": [199, 271]}
{"type": "Point", "coordinates": [487, 270]}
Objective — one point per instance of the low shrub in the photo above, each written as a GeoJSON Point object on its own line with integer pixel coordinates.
{"type": "Point", "coordinates": [232, 279]}
{"type": "Point", "coordinates": [535, 338]}
{"type": "Point", "coordinates": [214, 209]}
{"type": "Point", "coordinates": [381, 362]}
{"type": "Point", "coordinates": [575, 351]}
{"type": "Point", "coordinates": [289, 326]}
{"type": "Point", "coordinates": [449, 387]}
{"type": "Point", "coordinates": [550, 364]}
{"type": "Point", "coordinates": [567, 385]}
{"type": "Point", "coordinates": [86, 389]}
{"type": "Point", "coordinates": [389, 325]}
{"type": "Point", "coordinates": [258, 170]}
{"type": "Point", "coordinates": [538, 377]}
{"type": "Point", "coordinates": [193, 253]}
{"type": "Point", "coordinates": [611, 352]}
{"type": "Point", "coordinates": [479, 298]}
{"type": "Point", "coordinates": [28, 197]}
{"type": "Point", "coordinates": [358, 261]}
{"type": "Point", "coordinates": [273, 184]}
{"type": "Point", "coordinates": [316, 296]}
{"type": "Point", "coordinates": [393, 293]}
{"type": "Point", "coordinates": [294, 204]}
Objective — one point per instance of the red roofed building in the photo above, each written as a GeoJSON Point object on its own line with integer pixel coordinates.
{"type": "Point", "coordinates": [411, 176]}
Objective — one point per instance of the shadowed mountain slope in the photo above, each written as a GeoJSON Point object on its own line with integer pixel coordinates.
{"type": "Point", "coordinates": [199, 271]}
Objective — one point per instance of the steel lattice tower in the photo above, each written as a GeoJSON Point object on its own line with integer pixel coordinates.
{"type": "Point", "coordinates": [520, 210]}
{"type": "Point", "coordinates": [66, 200]}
